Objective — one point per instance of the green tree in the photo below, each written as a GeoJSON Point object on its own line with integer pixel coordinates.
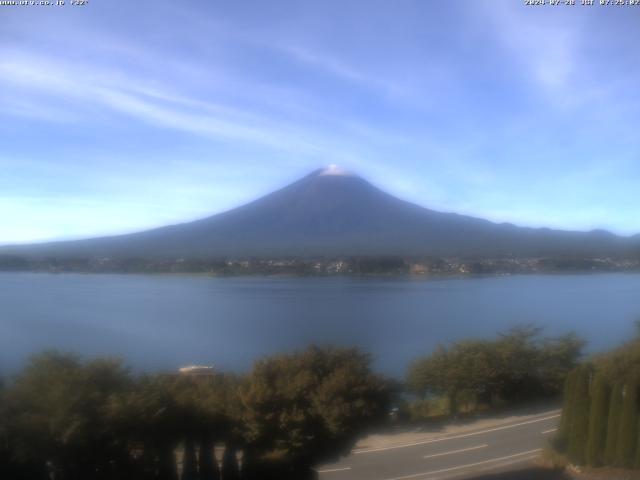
{"type": "Point", "coordinates": [308, 407]}
{"type": "Point", "coordinates": [518, 366]}
{"type": "Point", "coordinates": [473, 369]}
{"type": "Point", "coordinates": [613, 424]}
{"type": "Point", "coordinates": [579, 429]}
{"type": "Point", "coordinates": [165, 411]}
{"type": "Point", "coordinates": [628, 431]}
{"type": "Point", "coordinates": [558, 356]}
{"type": "Point", "coordinates": [151, 417]}
{"type": "Point", "coordinates": [564, 429]}
{"type": "Point", "coordinates": [60, 416]}
{"type": "Point", "coordinates": [427, 375]}
{"type": "Point", "coordinates": [519, 362]}
{"type": "Point", "coordinates": [637, 459]}
{"type": "Point", "coordinates": [467, 369]}
{"type": "Point", "coordinates": [623, 363]}
{"type": "Point", "coordinates": [437, 374]}
{"type": "Point", "coordinates": [7, 465]}
{"type": "Point", "coordinates": [600, 395]}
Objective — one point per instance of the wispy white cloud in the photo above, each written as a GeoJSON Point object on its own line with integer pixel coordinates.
{"type": "Point", "coordinates": [211, 106]}
{"type": "Point", "coordinates": [336, 67]}
{"type": "Point", "coordinates": [150, 104]}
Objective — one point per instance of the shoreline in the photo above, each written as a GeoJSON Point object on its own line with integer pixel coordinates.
{"type": "Point", "coordinates": [380, 276]}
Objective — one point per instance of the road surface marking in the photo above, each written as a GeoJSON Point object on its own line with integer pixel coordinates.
{"type": "Point", "coordinates": [425, 442]}
{"type": "Point", "coordinates": [460, 467]}
{"type": "Point", "coordinates": [487, 468]}
{"type": "Point", "coordinates": [329, 470]}
{"type": "Point", "coordinates": [456, 451]}
{"type": "Point", "coordinates": [551, 430]}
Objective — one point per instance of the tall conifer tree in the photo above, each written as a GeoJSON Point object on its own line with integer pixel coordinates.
{"type": "Point", "coordinates": [613, 424]}
{"type": "Point", "coordinates": [579, 429]}
{"type": "Point", "coordinates": [567, 411]}
{"type": "Point", "coordinates": [600, 395]}
{"type": "Point", "coordinates": [637, 459]}
{"type": "Point", "coordinates": [628, 432]}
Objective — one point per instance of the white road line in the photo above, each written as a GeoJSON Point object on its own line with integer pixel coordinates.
{"type": "Point", "coordinates": [469, 465]}
{"type": "Point", "coordinates": [486, 468]}
{"type": "Point", "coordinates": [456, 451]}
{"type": "Point", "coordinates": [551, 430]}
{"type": "Point", "coordinates": [329, 470]}
{"type": "Point", "coordinates": [443, 439]}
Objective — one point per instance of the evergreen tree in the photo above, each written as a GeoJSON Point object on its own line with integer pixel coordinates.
{"type": "Point", "coordinates": [579, 429]}
{"type": "Point", "coordinates": [613, 424]}
{"type": "Point", "coordinates": [627, 434]}
{"type": "Point", "coordinates": [562, 438]}
{"type": "Point", "coordinates": [637, 459]}
{"type": "Point", "coordinates": [600, 395]}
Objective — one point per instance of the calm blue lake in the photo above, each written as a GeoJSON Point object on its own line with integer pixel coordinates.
{"type": "Point", "coordinates": [163, 322]}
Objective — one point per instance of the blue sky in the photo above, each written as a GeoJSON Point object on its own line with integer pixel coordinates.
{"type": "Point", "coordinates": [119, 116]}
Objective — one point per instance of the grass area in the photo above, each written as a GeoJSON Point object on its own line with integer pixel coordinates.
{"type": "Point", "coordinates": [437, 408]}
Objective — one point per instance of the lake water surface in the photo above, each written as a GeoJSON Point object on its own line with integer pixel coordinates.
{"type": "Point", "coordinates": [163, 322]}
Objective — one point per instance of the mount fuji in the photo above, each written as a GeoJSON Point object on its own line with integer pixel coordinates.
{"type": "Point", "coordinates": [332, 212]}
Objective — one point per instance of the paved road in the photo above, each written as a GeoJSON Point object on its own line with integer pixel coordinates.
{"type": "Point", "coordinates": [455, 456]}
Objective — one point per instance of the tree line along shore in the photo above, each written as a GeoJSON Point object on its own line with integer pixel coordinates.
{"type": "Point", "coordinates": [348, 265]}
{"type": "Point", "coordinates": [67, 418]}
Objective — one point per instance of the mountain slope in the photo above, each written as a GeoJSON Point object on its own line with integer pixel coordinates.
{"type": "Point", "coordinates": [329, 213]}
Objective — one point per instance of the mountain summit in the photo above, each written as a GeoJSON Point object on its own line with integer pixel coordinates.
{"type": "Point", "coordinates": [333, 212]}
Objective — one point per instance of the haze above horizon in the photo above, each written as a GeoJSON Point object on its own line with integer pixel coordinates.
{"type": "Point", "coordinates": [119, 117]}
